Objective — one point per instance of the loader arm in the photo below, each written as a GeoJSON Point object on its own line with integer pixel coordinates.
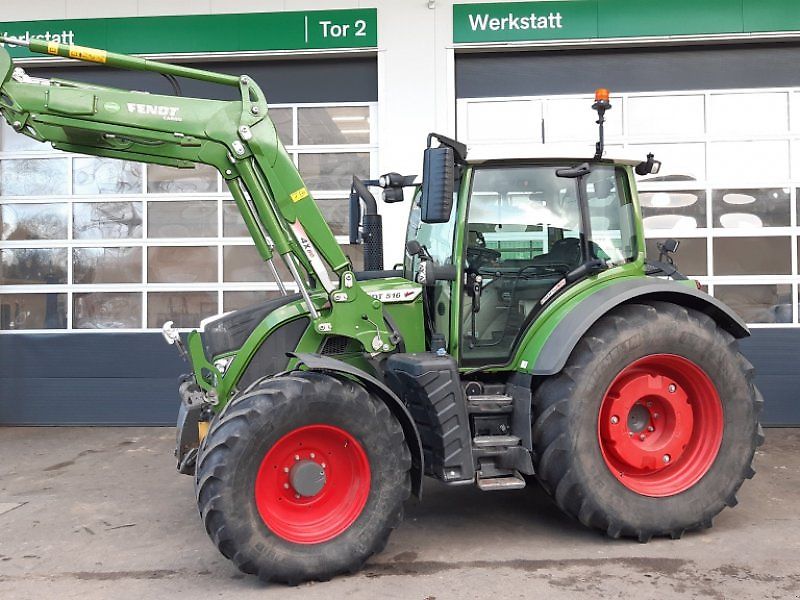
{"type": "Point", "coordinates": [238, 138]}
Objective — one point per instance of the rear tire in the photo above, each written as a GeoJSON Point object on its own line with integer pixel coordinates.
{"type": "Point", "coordinates": [311, 433]}
{"type": "Point", "coordinates": [606, 454]}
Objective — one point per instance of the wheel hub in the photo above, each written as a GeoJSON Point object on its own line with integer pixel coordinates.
{"type": "Point", "coordinates": [660, 425]}
{"type": "Point", "coordinates": [312, 484]}
{"type": "Point", "coordinates": [307, 478]}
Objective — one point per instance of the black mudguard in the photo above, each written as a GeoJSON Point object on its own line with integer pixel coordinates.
{"type": "Point", "coordinates": [332, 366]}
{"type": "Point", "coordinates": [565, 336]}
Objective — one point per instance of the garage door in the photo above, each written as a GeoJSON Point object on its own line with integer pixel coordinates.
{"type": "Point", "coordinates": [95, 254]}
{"type": "Point", "coordinates": [725, 122]}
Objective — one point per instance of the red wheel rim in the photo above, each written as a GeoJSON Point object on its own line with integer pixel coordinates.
{"type": "Point", "coordinates": [312, 484]}
{"type": "Point", "coordinates": [660, 425]}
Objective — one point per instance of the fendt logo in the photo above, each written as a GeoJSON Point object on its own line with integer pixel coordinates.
{"type": "Point", "coordinates": [168, 113]}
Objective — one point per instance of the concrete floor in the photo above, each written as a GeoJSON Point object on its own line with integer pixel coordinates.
{"type": "Point", "coordinates": [101, 513]}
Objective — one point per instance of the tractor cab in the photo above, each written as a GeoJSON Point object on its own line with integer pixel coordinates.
{"type": "Point", "coordinates": [532, 229]}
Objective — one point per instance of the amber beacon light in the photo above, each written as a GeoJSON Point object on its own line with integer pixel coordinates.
{"type": "Point", "coordinates": [601, 105]}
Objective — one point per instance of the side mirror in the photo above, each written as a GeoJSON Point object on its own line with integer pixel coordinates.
{"type": "Point", "coordinates": [648, 166]}
{"type": "Point", "coordinates": [438, 182]}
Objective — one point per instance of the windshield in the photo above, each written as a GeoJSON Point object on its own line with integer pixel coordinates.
{"type": "Point", "coordinates": [436, 237]}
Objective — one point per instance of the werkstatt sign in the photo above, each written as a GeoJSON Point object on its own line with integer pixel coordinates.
{"type": "Point", "coordinates": [591, 19]}
{"type": "Point", "coordinates": [524, 21]}
{"type": "Point", "coordinates": [306, 30]}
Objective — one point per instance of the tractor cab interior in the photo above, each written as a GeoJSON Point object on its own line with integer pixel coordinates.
{"type": "Point", "coordinates": [523, 236]}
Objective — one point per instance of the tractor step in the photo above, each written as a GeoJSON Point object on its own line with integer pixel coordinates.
{"type": "Point", "coordinates": [493, 403]}
{"type": "Point", "coordinates": [495, 441]}
{"type": "Point", "coordinates": [515, 481]}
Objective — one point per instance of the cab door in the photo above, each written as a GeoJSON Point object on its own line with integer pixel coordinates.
{"type": "Point", "coordinates": [524, 233]}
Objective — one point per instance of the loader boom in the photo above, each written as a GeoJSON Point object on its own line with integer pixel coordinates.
{"type": "Point", "coordinates": [238, 138]}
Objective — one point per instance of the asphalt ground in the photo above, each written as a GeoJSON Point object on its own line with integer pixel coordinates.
{"type": "Point", "coordinates": [101, 513]}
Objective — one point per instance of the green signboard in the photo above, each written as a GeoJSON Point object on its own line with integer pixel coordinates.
{"type": "Point", "coordinates": [307, 30]}
{"type": "Point", "coordinates": [593, 19]}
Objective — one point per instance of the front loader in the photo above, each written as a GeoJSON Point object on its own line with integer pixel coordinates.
{"type": "Point", "coordinates": [527, 334]}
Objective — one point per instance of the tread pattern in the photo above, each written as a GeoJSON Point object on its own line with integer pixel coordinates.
{"type": "Point", "coordinates": [556, 397]}
{"type": "Point", "coordinates": [271, 558]}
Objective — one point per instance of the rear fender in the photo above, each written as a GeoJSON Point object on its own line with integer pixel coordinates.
{"type": "Point", "coordinates": [566, 333]}
{"type": "Point", "coordinates": [337, 368]}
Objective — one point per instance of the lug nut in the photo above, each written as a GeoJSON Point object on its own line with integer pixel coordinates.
{"type": "Point", "coordinates": [323, 465]}
{"type": "Point", "coordinates": [630, 434]}
{"type": "Point", "coordinates": [666, 458]}
{"type": "Point", "coordinates": [285, 469]}
{"type": "Point", "coordinates": [297, 496]}
{"type": "Point", "coordinates": [286, 486]}
{"type": "Point", "coordinates": [672, 387]}
{"type": "Point", "coordinates": [651, 428]}
{"type": "Point", "coordinates": [297, 457]}
{"type": "Point", "coordinates": [312, 455]}
{"type": "Point", "coordinates": [649, 403]}
{"type": "Point", "coordinates": [641, 436]}
{"type": "Point", "coordinates": [655, 415]}
{"type": "Point", "coordinates": [614, 420]}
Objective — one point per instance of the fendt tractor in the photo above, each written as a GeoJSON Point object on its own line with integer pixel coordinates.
{"type": "Point", "coordinates": [526, 335]}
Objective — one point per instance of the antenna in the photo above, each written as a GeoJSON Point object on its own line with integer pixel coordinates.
{"type": "Point", "coordinates": [601, 105]}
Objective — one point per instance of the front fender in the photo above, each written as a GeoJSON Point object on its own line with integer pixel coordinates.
{"type": "Point", "coordinates": [566, 333]}
{"type": "Point", "coordinates": [332, 366]}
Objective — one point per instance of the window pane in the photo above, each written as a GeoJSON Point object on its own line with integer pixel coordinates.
{"type": "Point", "coordinates": [11, 141]}
{"type": "Point", "coordinates": [232, 221]}
{"type": "Point", "coordinates": [513, 120]}
{"type": "Point", "coordinates": [237, 300]}
{"type": "Point", "coordinates": [751, 209]}
{"type": "Point", "coordinates": [107, 310]}
{"type": "Point", "coordinates": [339, 125]}
{"type": "Point", "coordinates": [333, 171]}
{"type": "Point", "coordinates": [282, 117]}
{"type": "Point", "coordinates": [106, 220]}
{"type": "Point", "coordinates": [243, 263]}
{"type": "Point", "coordinates": [33, 221]}
{"type": "Point", "coordinates": [561, 125]}
{"type": "Point", "coordinates": [107, 265]}
{"type": "Point", "coordinates": [184, 309]}
{"type": "Point", "coordinates": [170, 180]}
{"type": "Point", "coordinates": [758, 303]}
{"type": "Point", "coordinates": [765, 113]}
{"type": "Point", "coordinates": [752, 256]}
{"type": "Point", "coordinates": [197, 218]}
{"type": "Point", "coordinates": [106, 176]}
{"type": "Point", "coordinates": [181, 264]}
{"type": "Point", "coordinates": [673, 210]}
{"type": "Point", "coordinates": [26, 266]}
{"type": "Point", "coordinates": [665, 115]}
{"type": "Point", "coordinates": [691, 258]}
{"type": "Point", "coordinates": [33, 177]}
{"type": "Point", "coordinates": [337, 214]}
{"type": "Point", "coordinates": [748, 161]}
{"type": "Point", "coordinates": [33, 311]}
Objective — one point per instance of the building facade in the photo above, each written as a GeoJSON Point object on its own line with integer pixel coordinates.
{"type": "Point", "coordinates": [96, 254]}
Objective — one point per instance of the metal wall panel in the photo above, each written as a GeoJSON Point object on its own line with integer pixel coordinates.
{"type": "Point", "coordinates": [283, 81]}
{"type": "Point", "coordinates": [131, 378]}
{"type": "Point", "coordinates": [539, 73]}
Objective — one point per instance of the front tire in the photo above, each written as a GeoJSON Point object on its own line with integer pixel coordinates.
{"type": "Point", "coordinates": [651, 427]}
{"type": "Point", "coordinates": [303, 478]}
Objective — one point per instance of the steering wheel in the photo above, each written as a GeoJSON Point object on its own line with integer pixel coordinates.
{"type": "Point", "coordinates": [480, 255]}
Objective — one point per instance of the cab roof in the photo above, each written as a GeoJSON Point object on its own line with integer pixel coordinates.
{"type": "Point", "coordinates": [577, 153]}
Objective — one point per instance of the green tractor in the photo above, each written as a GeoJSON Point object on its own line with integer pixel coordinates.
{"type": "Point", "coordinates": [526, 335]}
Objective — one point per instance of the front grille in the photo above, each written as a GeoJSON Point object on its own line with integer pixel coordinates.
{"type": "Point", "coordinates": [270, 358]}
{"type": "Point", "coordinates": [335, 344]}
